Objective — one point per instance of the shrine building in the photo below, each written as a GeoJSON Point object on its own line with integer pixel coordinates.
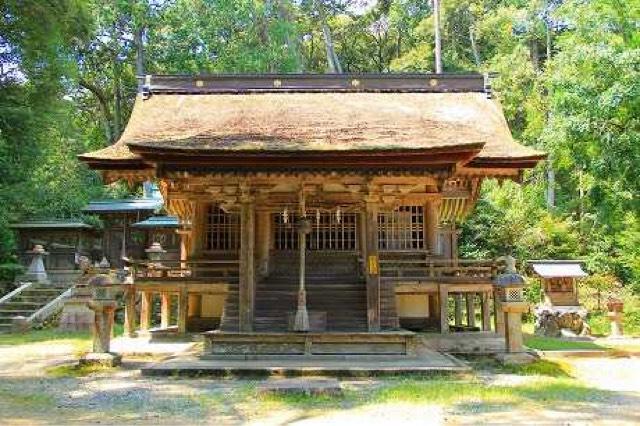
{"type": "Point", "coordinates": [315, 205]}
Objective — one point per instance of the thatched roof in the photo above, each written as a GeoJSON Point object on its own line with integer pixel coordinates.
{"type": "Point", "coordinates": [303, 122]}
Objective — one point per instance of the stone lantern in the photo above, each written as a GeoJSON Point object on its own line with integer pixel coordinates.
{"type": "Point", "coordinates": [37, 271]}
{"type": "Point", "coordinates": [155, 252]}
{"type": "Point", "coordinates": [103, 289]}
{"type": "Point", "coordinates": [512, 304]}
{"type": "Point", "coordinates": [615, 308]}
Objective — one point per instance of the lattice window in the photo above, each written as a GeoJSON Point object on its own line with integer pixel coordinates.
{"type": "Point", "coordinates": [222, 230]}
{"type": "Point", "coordinates": [327, 233]}
{"type": "Point", "coordinates": [401, 229]}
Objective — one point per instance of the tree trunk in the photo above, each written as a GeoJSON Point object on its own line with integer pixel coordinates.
{"type": "Point", "coordinates": [551, 186]}
{"type": "Point", "coordinates": [332, 58]}
{"type": "Point", "coordinates": [104, 107]}
{"type": "Point", "coordinates": [535, 55]}
{"type": "Point", "coordinates": [438, 42]}
{"type": "Point", "coordinates": [474, 47]}
{"type": "Point", "coordinates": [292, 42]}
{"type": "Point", "coordinates": [117, 99]}
{"type": "Point", "coordinates": [140, 72]}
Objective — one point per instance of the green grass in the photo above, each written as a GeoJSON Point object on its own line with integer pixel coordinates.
{"type": "Point", "coordinates": [81, 340]}
{"type": "Point", "coordinates": [540, 367]}
{"type": "Point", "coordinates": [555, 344]}
{"type": "Point", "coordinates": [450, 393]}
{"type": "Point", "coordinates": [76, 370]}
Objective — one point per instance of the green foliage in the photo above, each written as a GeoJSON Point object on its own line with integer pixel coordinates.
{"type": "Point", "coordinates": [67, 85]}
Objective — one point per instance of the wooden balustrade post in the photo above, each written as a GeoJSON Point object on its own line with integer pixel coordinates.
{"type": "Point", "coordinates": [130, 311]}
{"type": "Point", "coordinates": [183, 309]}
{"type": "Point", "coordinates": [145, 310]}
{"type": "Point", "coordinates": [458, 309]}
{"type": "Point", "coordinates": [443, 290]}
{"type": "Point", "coordinates": [471, 309]}
{"type": "Point", "coordinates": [165, 309]}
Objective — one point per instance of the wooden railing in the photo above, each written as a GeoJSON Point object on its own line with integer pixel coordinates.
{"type": "Point", "coordinates": [185, 270]}
{"type": "Point", "coordinates": [438, 269]}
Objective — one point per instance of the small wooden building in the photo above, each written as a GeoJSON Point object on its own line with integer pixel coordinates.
{"type": "Point", "coordinates": [321, 204]}
{"type": "Point", "coordinates": [64, 240]}
{"type": "Point", "coordinates": [559, 280]}
{"type": "Point", "coordinates": [161, 230]}
{"type": "Point", "coordinates": [118, 217]}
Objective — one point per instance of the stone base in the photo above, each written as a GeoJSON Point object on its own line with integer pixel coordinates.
{"type": "Point", "coordinates": [515, 358]}
{"type": "Point", "coordinates": [106, 359]}
{"type": "Point", "coordinates": [20, 324]}
{"type": "Point", "coordinates": [76, 316]}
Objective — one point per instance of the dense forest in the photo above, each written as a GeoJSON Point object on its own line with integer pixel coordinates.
{"type": "Point", "coordinates": [566, 72]}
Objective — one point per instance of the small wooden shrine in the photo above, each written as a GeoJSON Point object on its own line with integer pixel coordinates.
{"type": "Point", "coordinates": [559, 280]}
{"type": "Point", "coordinates": [317, 213]}
{"type": "Point", "coordinates": [64, 241]}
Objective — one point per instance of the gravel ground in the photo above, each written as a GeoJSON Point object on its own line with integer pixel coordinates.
{"type": "Point", "coordinates": [31, 396]}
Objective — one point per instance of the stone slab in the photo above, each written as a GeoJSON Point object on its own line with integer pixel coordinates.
{"type": "Point", "coordinates": [515, 358]}
{"type": "Point", "coordinates": [575, 353]}
{"type": "Point", "coordinates": [104, 359]}
{"type": "Point", "coordinates": [308, 366]}
{"type": "Point", "coordinates": [301, 386]}
{"type": "Point", "coordinates": [140, 346]}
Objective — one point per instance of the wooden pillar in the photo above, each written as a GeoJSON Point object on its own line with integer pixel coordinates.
{"type": "Point", "coordinates": [444, 308]}
{"type": "Point", "coordinates": [486, 314]}
{"type": "Point", "coordinates": [263, 241]}
{"type": "Point", "coordinates": [432, 219]}
{"type": "Point", "coordinates": [184, 248]}
{"type": "Point", "coordinates": [165, 309]}
{"type": "Point", "coordinates": [195, 305]}
{"type": "Point", "coordinates": [373, 264]}
{"type": "Point", "coordinates": [458, 309]}
{"type": "Point", "coordinates": [246, 286]}
{"type": "Point", "coordinates": [130, 311]}
{"type": "Point", "coordinates": [498, 314]}
{"type": "Point", "coordinates": [471, 309]}
{"type": "Point", "coordinates": [183, 309]}
{"type": "Point", "coordinates": [454, 244]}
{"type": "Point", "coordinates": [434, 308]}
{"type": "Point", "coordinates": [145, 310]}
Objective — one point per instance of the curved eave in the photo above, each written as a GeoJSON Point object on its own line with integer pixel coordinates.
{"type": "Point", "coordinates": [528, 162]}
{"type": "Point", "coordinates": [324, 158]}
{"type": "Point", "coordinates": [113, 164]}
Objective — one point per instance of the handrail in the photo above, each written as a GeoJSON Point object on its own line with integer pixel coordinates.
{"type": "Point", "coordinates": [441, 269]}
{"type": "Point", "coordinates": [176, 269]}
{"type": "Point", "coordinates": [50, 308]}
{"type": "Point", "coordinates": [15, 292]}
